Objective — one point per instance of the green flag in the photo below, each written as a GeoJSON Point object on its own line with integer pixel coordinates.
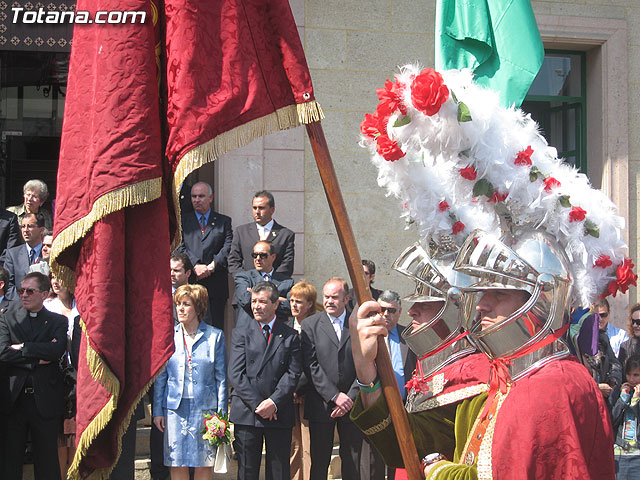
{"type": "Point", "coordinates": [498, 39]}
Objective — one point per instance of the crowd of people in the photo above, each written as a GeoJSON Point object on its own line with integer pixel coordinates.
{"type": "Point", "coordinates": [288, 380]}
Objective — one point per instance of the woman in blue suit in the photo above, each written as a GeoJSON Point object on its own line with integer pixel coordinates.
{"type": "Point", "coordinates": [193, 383]}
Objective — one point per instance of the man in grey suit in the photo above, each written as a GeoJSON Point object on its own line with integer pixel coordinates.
{"type": "Point", "coordinates": [263, 257]}
{"type": "Point", "coordinates": [403, 361]}
{"type": "Point", "coordinates": [264, 366]}
{"type": "Point", "coordinates": [264, 228]}
{"type": "Point", "coordinates": [9, 232]}
{"type": "Point", "coordinates": [206, 239]}
{"type": "Point", "coordinates": [328, 365]}
{"type": "Point", "coordinates": [18, 259]}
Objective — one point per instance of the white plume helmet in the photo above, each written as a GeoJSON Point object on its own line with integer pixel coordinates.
{"type": "Point", "coordinates": [458, 161]}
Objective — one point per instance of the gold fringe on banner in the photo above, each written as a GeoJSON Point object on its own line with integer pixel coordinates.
{"type": "Point", "coordinates": [282, 119]}
{"type": "Point", "coordinates": [309, 112]}
{"type": "Point", "coordinates": [128, 196]}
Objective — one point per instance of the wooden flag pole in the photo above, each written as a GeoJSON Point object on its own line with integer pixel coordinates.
{"type": "Point", "coordinates": [356, 273]}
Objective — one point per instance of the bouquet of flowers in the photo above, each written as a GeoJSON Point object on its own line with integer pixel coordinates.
{"type": "Point", "coordinates": [216, 429]}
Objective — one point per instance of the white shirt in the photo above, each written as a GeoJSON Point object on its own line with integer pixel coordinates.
{"type": "Point", "coordinates": [264, 230]}
{"type": "Point", "coordinates": [617, 337]}
{"type": "Point", "coordinates": [267, 273]}
{"type": "Point", "coordinates": [338, 323]}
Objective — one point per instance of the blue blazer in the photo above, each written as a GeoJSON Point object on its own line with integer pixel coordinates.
{"type": "Point", "coordinates": [209, 373]}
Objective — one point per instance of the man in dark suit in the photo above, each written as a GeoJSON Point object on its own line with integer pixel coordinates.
{"type": "Point", "coordinates": [264, 366]}
{"type": "Point", "coordinates": [9, 232]}
{"type": "Point", "coordinates": [206, 239]}
{"type": "Point", "coordinates": [264, 228]}
{"type": "Point", "coordinates": [5, 304]}
{"type": "Point", "coordinates": [328, 365]}
{"type": "Point", "coordinates": [32, 340]}
{"type": "Point", "coordinates": [18, 259]}
{"type": "Point", "coordinates": [369, 269]}
{"type": "Point", "coordinates": [263, 257]}
{"type": "Point", "coordinates": [403, 361]}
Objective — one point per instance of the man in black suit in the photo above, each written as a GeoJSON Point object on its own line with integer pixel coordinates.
{"type": "Point", "coordinates": [9, 232]}
{"type": "Point", "coordinates": [32, 340]}
{"type": "Point", "coordinates": [263, 257]}
{"type": "Point", "coordinates": [18, 259]}
{"type": "Point", "coordinates": [328, 365]}
{"type": "Point", "coordinates": [264, 366]}
{"type": "Point", "coordinates": [206, 239]}
{"type": "Point", "coordinates": [403, 361]}
{"type": "Point", "coordinates": [264, 228]}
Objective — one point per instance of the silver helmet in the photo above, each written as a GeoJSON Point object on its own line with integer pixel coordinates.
{"type": "Point", "coordinates": [530, 261]}
{"type": "Point", "coordinates": [436, 281]}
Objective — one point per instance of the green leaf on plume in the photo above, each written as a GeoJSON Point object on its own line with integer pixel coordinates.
{"type": "Point", "coordinates": [564, 201]}
{"type": "Point", "coordinates": [376, 135]}
{"type": "Point", "coordinates": [534, 173]}
{"type": "Point", "coordinates": [453, 96]}
{"type": "Point", "coordinates": [402, 121]}
{"type": "Point", "coordinates": [591, 228]}
{"type": "Point", "coordinates": [464, 115]}
{"type": "Point", "coordinates": [483, 187]}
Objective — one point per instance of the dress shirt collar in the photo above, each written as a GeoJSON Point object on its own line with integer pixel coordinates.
{"type": "Point", "coordinates": [267, 273]}
{"type": "Point", "coordinates": [37, 248]}
{"type": "Point", "coordinates": [340, 319]}
{"type": "Point", "coordinates": [273, 320]}
{"type": "Point", "coordinates": [267, 227]}
{"type": "Point", "coordinates": [205, 215]}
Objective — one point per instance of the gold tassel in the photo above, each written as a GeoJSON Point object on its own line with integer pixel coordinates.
{"type": "Point", "coordinates": [309, 112]}
{"type": "Point", "coordinates": [128, 196]}
{"type": "Point", "coordinates": [281, 119]}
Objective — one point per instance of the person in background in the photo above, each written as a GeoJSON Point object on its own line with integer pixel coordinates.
{"type": "Point", "coordinates": [43, 265]}
{"type": "Point", "coordinates": [192, 384]}
{"type": "Point", "coordinates": [18, 259]}
{"type": "Point", "coordinates": [631, 346]}
{"type": "Point", "coordinates": [617, 336]}
{"type": "Point", "coordinates": [302, 299]}
{"type": "Point", "coordinates": [9, 232]}
{"type": "Point", "coordinates": [35, 194]}
{"type": "Point", "coordinates": [625, 412]}
{"type": "Point", "coordinates": [369, 275]}
{"type": "Point", "coordinates": [62, 302]}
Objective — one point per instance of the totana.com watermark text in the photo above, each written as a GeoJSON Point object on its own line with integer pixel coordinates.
{"type": "Point", "coordinates": [42, 16]}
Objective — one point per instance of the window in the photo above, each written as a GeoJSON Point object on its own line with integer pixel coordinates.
{"type": "Point", "coordinates": [557, 101]}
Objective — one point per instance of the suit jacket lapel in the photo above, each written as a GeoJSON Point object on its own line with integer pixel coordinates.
{"type": "Point", "coordinates": [210, 224]}
{"type": "Point", "coordinates": [274, 342]}
{"type": "Point", "coordinates": [345, 331]}
{"type": "Point", "coordinates": [327, 328]}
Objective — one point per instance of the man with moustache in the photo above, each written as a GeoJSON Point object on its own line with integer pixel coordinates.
{"type": "Point", "coordinates": [264, 366]}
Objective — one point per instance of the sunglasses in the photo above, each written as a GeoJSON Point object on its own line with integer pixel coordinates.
{"type": "Point", "coordinates": [28, 291]}
{"type": "Point", "coordinates": [259, 254]}
{"type": "Point", "coordinates": [635, 321]}
{"type": "Point", "coordinates": [388, 309]}
{"type": "Point", "coordinates": [604, 314]}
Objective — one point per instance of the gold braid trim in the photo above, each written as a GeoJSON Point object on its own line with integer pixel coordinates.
{"type": "Point", "coordinates": [128, 196]}
{"type": "Point", "coordinates": [282, 119]}
{"type": "Point", "coordinates": [485, 467]}
{"type": "Point", "coordinates": [379, 427]}
{"type": "Point", "coordinates": [451, 397]}
{"type": "Point", "coordinates": [309, 112]}
{"type": "Point", "coordinates": [101, 373]}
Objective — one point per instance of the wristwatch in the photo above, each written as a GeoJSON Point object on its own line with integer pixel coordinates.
{"type": "Point", "coordinates": [431, 459]}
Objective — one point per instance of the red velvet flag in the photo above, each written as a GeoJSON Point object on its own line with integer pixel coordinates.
{"type": "Point", "coordinates": [234, 70]}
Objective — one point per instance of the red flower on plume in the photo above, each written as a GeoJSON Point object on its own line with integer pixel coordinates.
{"type": "Point", "coordinates": [550, 183]}
{"type": "Point", "coordinates": [577, 214]}
{"type": "Point", "coordinates": [389, 149]}
{"type": "Point", "coordinates": [470, 173]}
{"type": "Point", "coordinates": [374, 124]}
{"type": "Point", "coordinates": [443, 205]}
{"type": "Point", "coordinates": [625, 275]}
{"type": "Point", "coordinates": [391, 98]}
{"type": "Point", "coordinates": [524, 157]}
{"type": "Point", "coordinates": [603, 261]}
{"type": "Point", "coordinates": [457, 228]}
{"type": "Point", "coordinates": [498, 197]}
{"type": "Point", "coordinates": [428, 91]}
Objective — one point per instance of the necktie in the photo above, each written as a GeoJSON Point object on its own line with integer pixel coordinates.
{"type": "Point", "coordinates": [267, 277]}
{"type": "Point", "coordinates": [203, 223]}
{"type": "Point", "coordinates": [337, 328]}
{"type": "Point", "coordinates": [32, 256]}
{"type": "Point", "coordinates": [267, 332]}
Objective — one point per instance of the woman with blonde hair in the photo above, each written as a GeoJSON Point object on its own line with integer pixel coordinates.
{"type": "Point", "coordinates": [302, 298]}
{"type": "Point", "coordinates": [192, 384]}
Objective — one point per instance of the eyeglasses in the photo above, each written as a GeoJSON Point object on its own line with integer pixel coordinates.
{"type": "Point", "coordinates": [604, 314]}
{"type": "Point", "coordinates": [388, 309]}
{"type": "Point", "coordinates": [259, 254]}
{"type": "Point", "coordinates": [28, 291]}
{"type": "Point", "coordinates": [635, 321]}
